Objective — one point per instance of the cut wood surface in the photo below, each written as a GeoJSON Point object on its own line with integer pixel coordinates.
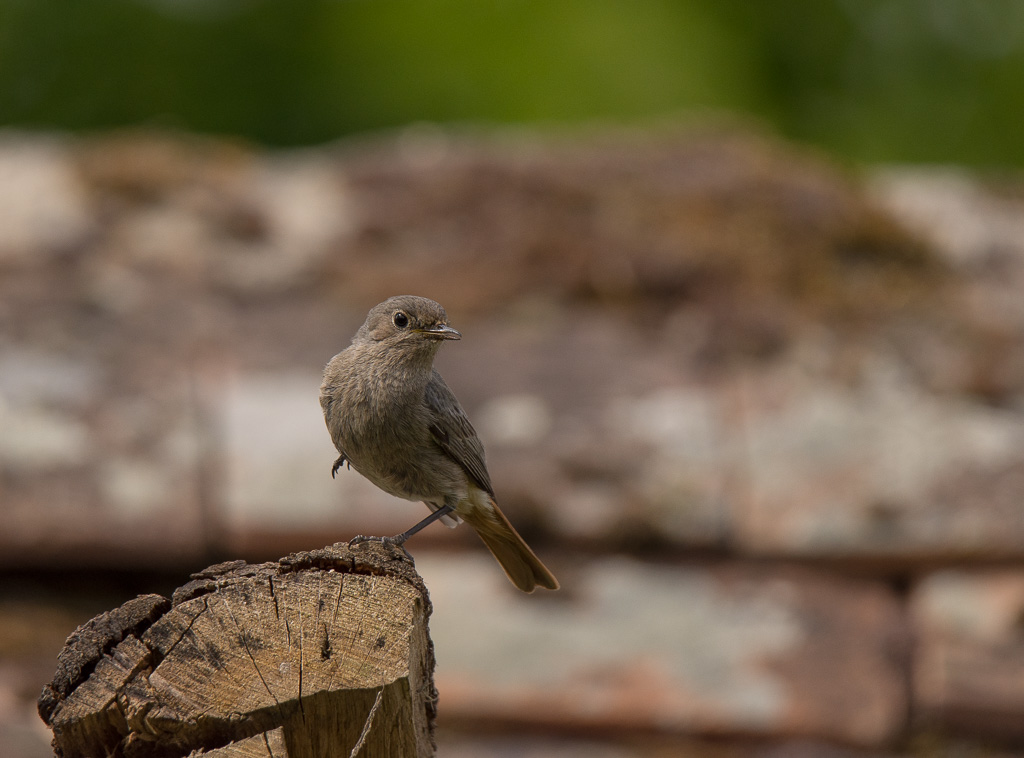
{"type": "Point", "coordinates": [323, 653]}
{"type": "Point", "coordinates": [267, 745]}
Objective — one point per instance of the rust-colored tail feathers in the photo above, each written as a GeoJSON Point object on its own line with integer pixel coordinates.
{"type": "Point", "coordinates": [523, 568]}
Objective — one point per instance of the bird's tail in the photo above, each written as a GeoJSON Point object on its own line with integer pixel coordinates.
{"type": "Point", "coordinates": [521, 565]}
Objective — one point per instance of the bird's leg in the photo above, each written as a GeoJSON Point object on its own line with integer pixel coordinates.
{"type": "Point", "coordinates": [441, 512]}
{"type": "Point", "coordinates": [399, 539]}
{"type": "Point", "coordinates": [338, 463]}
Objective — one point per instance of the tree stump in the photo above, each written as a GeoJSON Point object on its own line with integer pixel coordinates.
{"type": "Point", "coordinates": [324, 653]}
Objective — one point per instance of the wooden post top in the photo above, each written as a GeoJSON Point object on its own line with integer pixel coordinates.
{"type": "Point", "coordinates": [316, 654]}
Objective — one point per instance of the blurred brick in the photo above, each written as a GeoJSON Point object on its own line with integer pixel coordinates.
{"type": "Point", "coordinates": [517, 745]}
{"type": "Point", "coordinates": [969, 662]}
{"type": "Point", "coordinates": [976, 223]}
{"type": "Point", "coordinates": [966, 221]}
{"type": "Point", "coordinates": [44, 209]}
{"type": "Point", "coordinates": [693, 650]}
{"type": "Point", "coordinates": [303, 212]}
{"type": "Point", "coordinates": [90, 477]}
{"type": "Point", "coordinates": [867, 471]}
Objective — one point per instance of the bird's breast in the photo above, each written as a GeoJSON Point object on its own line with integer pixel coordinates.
{"type": "Point", "coordinates": [387, 439]}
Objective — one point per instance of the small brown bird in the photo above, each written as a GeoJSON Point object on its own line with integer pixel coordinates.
{"type": "Point", "coordinates": [394, 420]}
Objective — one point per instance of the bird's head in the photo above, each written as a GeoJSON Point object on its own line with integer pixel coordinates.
{"type": "Point", "coordinates": [408, 322]}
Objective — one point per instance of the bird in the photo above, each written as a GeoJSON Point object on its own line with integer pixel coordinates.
{"type": "Point", "coordinates": [393, 419]}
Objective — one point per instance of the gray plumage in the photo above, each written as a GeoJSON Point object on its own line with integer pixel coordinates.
{"type": "Point", "coordinates": [394, 420]}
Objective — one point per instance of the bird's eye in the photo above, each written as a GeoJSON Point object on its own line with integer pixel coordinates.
{"type": "Point", "coordinates": [400, 320]}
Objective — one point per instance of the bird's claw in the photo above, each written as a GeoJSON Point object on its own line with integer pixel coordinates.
{"type": "Point", "coordinates": [392, 542]}
{"type": "Point", "coordinates": [398, 541]}
{"type": "Point", "coordinates": [337, 465]}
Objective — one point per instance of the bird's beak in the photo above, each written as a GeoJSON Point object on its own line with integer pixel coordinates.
{"type": "Point", "coordinates": [441, 332]}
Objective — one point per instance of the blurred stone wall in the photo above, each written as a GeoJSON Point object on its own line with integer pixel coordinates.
{"type": "Point", "coordinates": [762, 417]}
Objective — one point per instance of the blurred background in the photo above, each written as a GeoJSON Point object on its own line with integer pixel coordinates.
{"type": "Point", "coordinates": [742, 294]}
{"type": "Point", "coordinates": [873, 80]}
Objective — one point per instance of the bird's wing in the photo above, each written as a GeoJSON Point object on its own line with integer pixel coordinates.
{"type": "Point", "coordinates": [453, 432]}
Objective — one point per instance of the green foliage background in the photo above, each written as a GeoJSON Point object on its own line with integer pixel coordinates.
{"type": "Point", "coordinates": [893, 80]}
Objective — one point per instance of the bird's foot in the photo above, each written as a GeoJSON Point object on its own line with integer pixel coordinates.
{"type": "Point", "coordinates": [337, 465]}
{"type": "Point", "coordinates": [363, 538]}
{"type": "Point", "coordinates": [398, 541]}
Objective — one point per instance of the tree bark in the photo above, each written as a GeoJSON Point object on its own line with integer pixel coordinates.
{"type": "Point", "coordinates": [324, 654]}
